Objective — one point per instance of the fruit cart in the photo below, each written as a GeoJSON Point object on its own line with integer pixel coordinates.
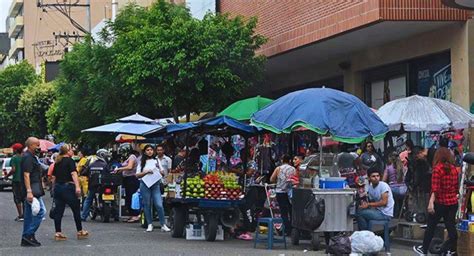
{"type": "Point", "coordinates": [213, 200]}
{"type": "Point", "coordinates": [208, 199]}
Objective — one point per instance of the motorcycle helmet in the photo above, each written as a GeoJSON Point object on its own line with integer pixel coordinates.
{"type": "Point", "coordinates": [103, 154]}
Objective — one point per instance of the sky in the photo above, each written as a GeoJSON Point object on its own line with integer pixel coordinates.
{"type": "Point", "coordinates": [4, 7]}
{"type": "Point", "coordinates": [199, 8]}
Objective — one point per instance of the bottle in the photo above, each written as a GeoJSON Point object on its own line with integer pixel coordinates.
{"type": "Point", "coordinates": [316, 181]}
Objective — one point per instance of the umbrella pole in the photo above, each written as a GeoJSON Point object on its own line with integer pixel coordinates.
{"type": "Point", "coordinates": [320, 155]}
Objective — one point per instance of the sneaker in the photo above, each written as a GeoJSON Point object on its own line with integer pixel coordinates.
{"type": "Point", "coordinates": [150, 228]}
{"type": "Point", "coordinates": [36, 241]}
{"type": "Point", "coordinates": [450, 253]}
{"type": "Point", "coordinates": [19, 219]}
{"type": "Point", "coordinates": [27, 241]}
{"type": "Point", "coordinates": [419, 250]}
{"type": "Point", "coordinates": [165, 228]}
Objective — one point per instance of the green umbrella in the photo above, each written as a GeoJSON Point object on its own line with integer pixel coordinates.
{"type": "Point", "coordinates": [243, 109]}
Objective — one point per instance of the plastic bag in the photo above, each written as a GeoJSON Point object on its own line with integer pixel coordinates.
{"type": "Point", "coordinates": [136, 201]}
{"type": "Point", "coordinates": [340, 245]}
{"type": "Point", "coordinates": [314, 211]}
{"type": "Point", "coordinates": [366, 242]}
{"type": "Point", "coordinates": [35, 206]}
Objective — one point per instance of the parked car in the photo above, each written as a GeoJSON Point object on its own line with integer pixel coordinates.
{"type": "Point", "coordinates": [6, 168]}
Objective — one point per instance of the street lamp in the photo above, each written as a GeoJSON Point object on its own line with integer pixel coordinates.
{"type": "Point", "coordinates": [461, 4]}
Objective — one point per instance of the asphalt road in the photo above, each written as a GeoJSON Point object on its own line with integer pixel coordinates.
{"type": "Point", "coordinates": [126, 239]}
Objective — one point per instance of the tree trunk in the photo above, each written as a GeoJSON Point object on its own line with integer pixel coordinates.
{"type": "Point", "coordinates": [175, 114]}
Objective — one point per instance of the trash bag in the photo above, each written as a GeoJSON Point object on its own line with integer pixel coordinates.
{"type": "Point", "coordinates": [366, 242]}
{"type": "Point", "coordinates": [314, 211]}
{"type": "Point", "coordinates": [339, 245]}
{"type": "Point", "coordinates": [136, 201]}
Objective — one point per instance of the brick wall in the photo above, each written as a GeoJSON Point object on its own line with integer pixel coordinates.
{"type": "Point", "coordinates": [294, 23]}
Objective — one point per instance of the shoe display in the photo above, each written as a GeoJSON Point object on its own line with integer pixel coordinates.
{"type": "Point", "coordinates": [150, 228]}
{"type": "Point", "coordinates": [165, 228]}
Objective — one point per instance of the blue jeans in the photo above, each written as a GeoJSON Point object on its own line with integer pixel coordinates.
{"type": "Point", "coordinates": [31, 223]}
{"type": "Point", "coordinates": [366, 215]}
{"type": "Point", "coordinates": [149, 194]}
{"type": "Point", "coordinates": [86, 207]}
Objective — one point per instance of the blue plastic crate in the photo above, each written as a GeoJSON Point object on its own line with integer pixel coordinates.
{"type": "Point", "coordinates": [332, 184]}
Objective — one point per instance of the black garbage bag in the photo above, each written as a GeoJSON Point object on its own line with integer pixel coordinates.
{"type": "Point", "coordinates": [314, 211]}
{"type": "Point", "coordinates": [339, 245]}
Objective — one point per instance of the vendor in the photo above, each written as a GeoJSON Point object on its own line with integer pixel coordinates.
{"type": "Point", "coordinates": [281, 176]}
{"type": "Point", "coordinates": [380, 205]}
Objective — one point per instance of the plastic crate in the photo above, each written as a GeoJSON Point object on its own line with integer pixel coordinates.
{"type": "Point", "coordinates": [196, 232]}
{"type": "Point", "coordinates": [332, 183]}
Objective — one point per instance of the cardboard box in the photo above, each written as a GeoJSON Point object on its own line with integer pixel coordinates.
{"type": "Point", "coordinates": [465, 243]}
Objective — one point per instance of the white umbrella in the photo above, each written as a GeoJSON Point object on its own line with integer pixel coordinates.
{"type": "Point", "coordinates": [417, 113]}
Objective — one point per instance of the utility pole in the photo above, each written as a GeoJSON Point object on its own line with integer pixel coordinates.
{"type": "Point", "coordinates": [88, 16]}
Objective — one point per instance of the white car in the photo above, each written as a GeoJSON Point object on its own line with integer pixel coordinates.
{"type": "Point", "coordinates": [6, 168]}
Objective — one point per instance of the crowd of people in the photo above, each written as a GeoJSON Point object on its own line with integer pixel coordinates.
{"type": "Point", "coordinates": [68, 175]}
{"type": "Point", "coordinates": [383, 181]}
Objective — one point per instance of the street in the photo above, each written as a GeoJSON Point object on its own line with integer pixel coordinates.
{"type": "Point", "coordinates": [127, 239]}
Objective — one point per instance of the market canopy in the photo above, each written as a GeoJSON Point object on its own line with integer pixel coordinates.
{"type": "Point", "coordinates": [221, 125]}
{"type": "Point", "coordinates": [418, 113]}
{"type": "Point", "coordinates": [135, 125]}
{"type": "Point", "coordinates": [135, 118]}
{"type": "Point", "coordinates": [322, 110]}
{"type": "Point", "coordinates": [243, 109]}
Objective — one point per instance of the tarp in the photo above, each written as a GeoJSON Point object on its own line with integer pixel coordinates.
{"type": "Point", "coordinates": [418, 113]}
{"type": "Point", "coordinates": [322, 110]}
{"type": "Point", "coordinates": [216, 125]}
{"type": "Point", "coordinates": [243, 109]}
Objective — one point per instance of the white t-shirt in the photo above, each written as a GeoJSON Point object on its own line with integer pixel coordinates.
{"type": "Point", "coordinates": [165, 163]}
{"type": "Point", "coordinates": [375, 195]}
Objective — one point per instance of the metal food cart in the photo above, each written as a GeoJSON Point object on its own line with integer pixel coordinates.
{"type": "Point", "coordinates": [338, 216]}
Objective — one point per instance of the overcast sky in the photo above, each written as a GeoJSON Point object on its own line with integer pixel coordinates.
{"type": "Point", "coordinates": [4, 6]}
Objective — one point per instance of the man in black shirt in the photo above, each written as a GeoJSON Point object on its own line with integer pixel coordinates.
{"type": "Point", "coordinates": [178, 161]}
{"type": "Point", "coordinates": [34, 189]}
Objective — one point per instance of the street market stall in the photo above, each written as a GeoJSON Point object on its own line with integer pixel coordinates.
{"type": "Point", "coordinates": [212, 196]}
{"type": "Point", "coordinates": [326, 112]}
{"type": "Point", "coordinates": [425, 114]}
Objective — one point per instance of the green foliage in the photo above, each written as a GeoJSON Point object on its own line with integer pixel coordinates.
{"type": "Point", "coordinates": [158, 61]}
{"type": "Point", "coordinates": [13, 80]}
{"type": "Point", "coordinates": [34, 102]}
{"type": "Point", "coordinates": [182, 63]}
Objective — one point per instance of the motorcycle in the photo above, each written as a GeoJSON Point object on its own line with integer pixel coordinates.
{"type": "Point", "coordinates": [105, 204]}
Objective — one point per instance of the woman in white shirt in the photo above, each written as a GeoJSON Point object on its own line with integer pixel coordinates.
{"type": "Point", "coordinates": [150, 176]}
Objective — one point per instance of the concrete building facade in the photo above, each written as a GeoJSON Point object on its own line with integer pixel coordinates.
{"type": "Point", "coordinates": [379, 50]}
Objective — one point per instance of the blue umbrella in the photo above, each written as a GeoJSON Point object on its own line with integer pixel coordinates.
{"type": "Point", "coordinates": [322, 110]}
{"type": "Point", "coordinates": [133, 128]}
{"type": "Point", "coordinates": [56, 147]}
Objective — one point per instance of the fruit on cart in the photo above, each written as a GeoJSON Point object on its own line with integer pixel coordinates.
{"type": "Point", "coordinates": [194, 187]}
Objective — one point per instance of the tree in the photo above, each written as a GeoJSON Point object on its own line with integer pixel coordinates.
{"type": "Point", "coordinates": [13, 80]}
{"type": "Point", "coordinates": [174, 60]}
{"type": "Point", "coordinates": [34, 102]}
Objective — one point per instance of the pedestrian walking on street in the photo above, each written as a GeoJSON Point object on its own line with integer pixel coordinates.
{"type": "Point", "coordinates": [148, 166]}
{"type": "Point", "coordinates": [443, 201]}
{"type": "Point", "coordinates": [131, 183]}
{"type": "Point", "coordinates": [15, 172]}
{"type": "Point", "coordinates": [33, 186]}
{"type": "Point", "coordinates": [66, 191]}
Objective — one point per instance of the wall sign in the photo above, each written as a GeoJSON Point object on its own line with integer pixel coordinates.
{"type": "Point", "coordinates": [48, 48]}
